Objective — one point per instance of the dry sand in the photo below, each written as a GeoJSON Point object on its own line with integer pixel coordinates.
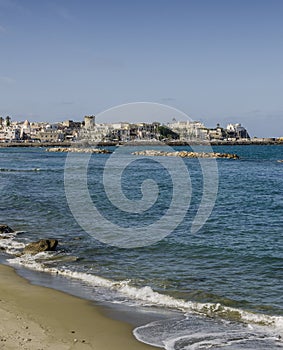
{"type": "Point", "coordinates": [39, 318]}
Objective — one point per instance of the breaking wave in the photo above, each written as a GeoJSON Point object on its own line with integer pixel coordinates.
{"type": "Point", "coordinates": [203, 326]}
{"type": "Point", "coordinates": [146, 294]}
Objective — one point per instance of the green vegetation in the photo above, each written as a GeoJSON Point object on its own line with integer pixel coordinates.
{"type": "Point", "coordinates": [166, 133]}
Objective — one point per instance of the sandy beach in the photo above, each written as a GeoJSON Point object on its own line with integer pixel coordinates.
{"type": "Point", "coordinates": [39, 318]}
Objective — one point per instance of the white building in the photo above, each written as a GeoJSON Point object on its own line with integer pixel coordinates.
{"type": "Point", "coordinates": [25, 130]}
{"type": "Point", "coordinates": [104, 132]}
{"type": "Point", "coordinates": [189, 130]}
{"type": "Point", "coordinates": [237, 131]}
{"type": "Point", "coordinates": [9, 133]}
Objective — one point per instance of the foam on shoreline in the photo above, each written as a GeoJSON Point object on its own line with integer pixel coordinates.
{"type": "Point", "coordinates": [145, 295]}
{"type": "Point", "coordinates": [124, 292]}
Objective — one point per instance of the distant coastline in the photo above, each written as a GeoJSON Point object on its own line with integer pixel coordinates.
{"type": "Point", "coordinates": [241, 142]}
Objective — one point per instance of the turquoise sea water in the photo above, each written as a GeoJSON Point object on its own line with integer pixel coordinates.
{"type": "Point", "coordinates": [226, 280]}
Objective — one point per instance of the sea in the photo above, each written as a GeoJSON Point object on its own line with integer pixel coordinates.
{"type": "Point", "coordinates": [210, 279]}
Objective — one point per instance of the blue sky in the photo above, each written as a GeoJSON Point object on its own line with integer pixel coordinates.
{"type": "Point", "coordinates": [218, 61]}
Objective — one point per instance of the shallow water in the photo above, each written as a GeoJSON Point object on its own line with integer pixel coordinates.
{"type": "Point", "coordinates": [231, 270]}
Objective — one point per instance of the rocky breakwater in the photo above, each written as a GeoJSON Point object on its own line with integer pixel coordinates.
{"type": "Point", "coordinates": [78, 150]}
{"type": "Point", "coordinates": [186, 154]}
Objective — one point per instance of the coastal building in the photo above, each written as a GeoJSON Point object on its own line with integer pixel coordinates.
{"type": "Point", "coordinates": [237, 131]}
{"type": "Point", "coordinates": [26, 130]}
{"type": "Point", "coordinates": [144, 131]}
{"type": "Point", "coordinates": [104, 132]}
{"type": "Point", "coordinates": [90, 131]}
{"type": "Point", "coordinates": [70, 124]}
{"type": "Point", "coordinates": [50, 136]}
{"type": "Point", "coordinates": [89, 121]}
{"type": "Point", "coordinates": [70, 129]}
{"type": "Point", "coordinates": [189, 130]}
{"type": "Point", "coordinates": [217, 134]}
{"type": "Point", "coordinates": [9, 133]}
{"type": "Point", "coordinates": [118, 132]}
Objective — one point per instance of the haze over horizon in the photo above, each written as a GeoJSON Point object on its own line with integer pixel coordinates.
{"type": "Point", "coordinates": [217, 61]}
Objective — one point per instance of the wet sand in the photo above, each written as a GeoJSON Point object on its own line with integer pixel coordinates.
{"type": "Point", "coordinates": [39, 318]}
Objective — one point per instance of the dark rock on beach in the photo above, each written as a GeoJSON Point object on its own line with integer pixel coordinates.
{"type": "Point", "coordinates": [42, 245]}
{"type": "Point", "coordinates": [5, 229]}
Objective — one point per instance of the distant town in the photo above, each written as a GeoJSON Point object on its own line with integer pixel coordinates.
{"type": "Point", "coordinates": [69, 131]}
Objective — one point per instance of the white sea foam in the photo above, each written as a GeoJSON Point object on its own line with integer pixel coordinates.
{"type": "Point", "coordinates": [9, 244]}
{"type": "Point", "coordinates": [145, 295]}
{"type": "Point", "coordinates": [18, 170]}
{"type": "Point", "coordinates": [232, 341]}
{"type": "Point", "coordinates": [195, 332]}
{"type": "Point", "coordinates": [174, 335]}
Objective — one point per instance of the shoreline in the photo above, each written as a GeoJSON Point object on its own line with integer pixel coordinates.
{"type": "Point", "coordinates": [264, 142]}
{"type": "Point", "coordinates": [35, 317]}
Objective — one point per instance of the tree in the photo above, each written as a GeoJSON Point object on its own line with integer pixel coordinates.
{"type": "Point", "coordinates": [167, 133]}
{"type": "Point", "coordinates": [8, 121]}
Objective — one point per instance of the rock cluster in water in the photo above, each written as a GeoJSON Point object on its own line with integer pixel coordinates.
{"type": "Point", "coordinates": [78, 150]}
{"type": "Point", "coordinates": [43, 245]}
{"type": "Point", "coordinates": [186, 154]}
{"type": "Point", "coordinates": [5, 229]}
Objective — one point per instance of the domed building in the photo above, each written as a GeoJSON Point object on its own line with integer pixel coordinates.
{"type": "Point", "coordinates": [25, 130]}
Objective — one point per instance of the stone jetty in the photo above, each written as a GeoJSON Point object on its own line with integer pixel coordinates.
{"type": "Point", "coordinates": [78, 150]}
{"type": "Point", "coordinates": [186, 154]}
